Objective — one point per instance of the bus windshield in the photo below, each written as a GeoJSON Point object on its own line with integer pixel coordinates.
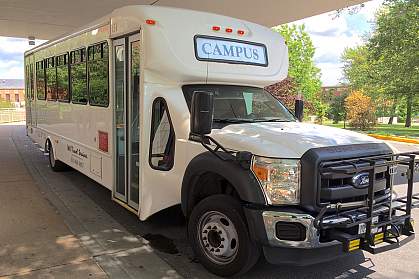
{"type": "Point", "coordinates": [240, 104]}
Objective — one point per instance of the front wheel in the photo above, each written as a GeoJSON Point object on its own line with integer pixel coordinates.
{"type": "Point", "coordinates": [220, 238]}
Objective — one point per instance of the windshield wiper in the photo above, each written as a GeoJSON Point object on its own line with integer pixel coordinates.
{"type": "Point", "coordinates": [271, 120]}
{"type": "Point", "coordinates": [233, 120]}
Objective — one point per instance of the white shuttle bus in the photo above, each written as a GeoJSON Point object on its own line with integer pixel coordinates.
{"type": "Point", "coordinates": [166, 106]}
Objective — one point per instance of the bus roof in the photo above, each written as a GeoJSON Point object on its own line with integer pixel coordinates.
{"type": "Point", "coordinates": [186, 46]}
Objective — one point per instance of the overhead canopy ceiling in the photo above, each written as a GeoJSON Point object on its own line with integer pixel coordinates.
{"type": "Point", "coordinates": [46, 19]}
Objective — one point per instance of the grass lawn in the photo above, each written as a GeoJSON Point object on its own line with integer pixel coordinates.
{"type": "Point", "coordinates": [385, 129]}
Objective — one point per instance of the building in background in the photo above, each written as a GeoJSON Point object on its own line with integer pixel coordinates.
{"type": "Point", "coordinates": [329, 92]}
{"type": "Point", "coordinates": [13, 91]}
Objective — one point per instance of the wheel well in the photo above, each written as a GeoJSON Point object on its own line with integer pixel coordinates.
{"type": "Point", "coordinates": [208, 184]}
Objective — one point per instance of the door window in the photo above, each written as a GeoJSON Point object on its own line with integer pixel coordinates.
{"type": "Point", "coordinates": [162, 147]}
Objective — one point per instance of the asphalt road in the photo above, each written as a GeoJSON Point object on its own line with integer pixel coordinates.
{"type": "Point", "coordinates": [167, 234]}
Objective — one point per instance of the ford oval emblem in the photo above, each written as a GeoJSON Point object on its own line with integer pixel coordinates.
{"type": "Point", "coordinates": [361, 180]}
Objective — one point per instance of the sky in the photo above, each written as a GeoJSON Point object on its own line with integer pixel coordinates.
{"type": "Point", "coordinates": [330, 35]}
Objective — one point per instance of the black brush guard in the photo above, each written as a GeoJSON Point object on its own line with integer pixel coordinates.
{"type": "Point", "coordinates": [391, 217]}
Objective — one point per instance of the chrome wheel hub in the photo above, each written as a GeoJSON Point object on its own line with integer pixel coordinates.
{"type": "Point", "coordinates": [218, 237]}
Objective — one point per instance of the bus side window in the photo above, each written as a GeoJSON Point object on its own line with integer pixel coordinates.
{"type": "Point", "coordinates": [62, 78]}
{"type": "Point", "coordinates": [78, 77]}
{"type": "Point", "coordinates": [40, 80]}
{"type": "Point", "coordinates": [27, 89]}
{"type": "Point", "coordinates": [51, 78]}
{"type": "Point", "coordinates": [162, 141]}
{"type": "Point", "coordinates": [32, 83]}
{"type": "Point", "coordinates": [97, 68]}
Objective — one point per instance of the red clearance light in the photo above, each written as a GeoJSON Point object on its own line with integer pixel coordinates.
{"type": "Point", "coordinates": [216, 28]}
{"type": "Point", "coordinates": [150, 21]}
{"type": "Point", "coordinates": [240, 32]}
{"type": "Point", "coordinates": [229, 30]}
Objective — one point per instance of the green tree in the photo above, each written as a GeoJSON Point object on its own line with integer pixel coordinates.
{"type": "Point", "coordinates": [387, 67]}
{"type": "Point", "coordinates": [336, 110]}
{"type": "Point", "coordinates": [303, 74]}
{"type": "Point", "coordinates": [394, 43]}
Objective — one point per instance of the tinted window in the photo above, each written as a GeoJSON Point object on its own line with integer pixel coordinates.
{"type": "Point", "coordinates": [27, 83]}
{"type": "Point", "coordinates": [98, 74]}
{"type": "Point", "coordinates": [31, 82]}
{"type": "Point", "coordinates": [51, 78]}
{"type": "Point", "coordinates": [62, 78]}
{"type": "Point", "coordinates": [40, 80]}
{"type": "Point", "coordinates": [162, 147]}
{"type": "Point", "coordinates": [78, 78]}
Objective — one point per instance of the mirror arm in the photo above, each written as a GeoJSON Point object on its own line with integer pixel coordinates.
{"type": "Point", "coordinates": [206, 142]}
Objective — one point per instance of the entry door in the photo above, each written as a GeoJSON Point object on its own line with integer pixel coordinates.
{"type": "Point", "coordinates": [127, 119]}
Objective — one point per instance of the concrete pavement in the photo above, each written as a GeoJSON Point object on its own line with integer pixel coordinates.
{"type": "Point", "coordinates": [47, 231]}
{"type": "Point", "coordinates": [34, 240]}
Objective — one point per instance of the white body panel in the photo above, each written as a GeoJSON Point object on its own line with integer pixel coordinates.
{"type": "Point", "coordinates": [285, 139]}
{"type": "Point", "coordinates": [168, 61]}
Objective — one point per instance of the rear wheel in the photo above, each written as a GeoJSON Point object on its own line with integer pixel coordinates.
{"type": "Point", "coordinates": [55, 165]}
{"type": "Point", "coordinates": [220, 238]}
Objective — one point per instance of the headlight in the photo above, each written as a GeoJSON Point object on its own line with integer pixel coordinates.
{"type": "Point", "coordinates": [280, 179]}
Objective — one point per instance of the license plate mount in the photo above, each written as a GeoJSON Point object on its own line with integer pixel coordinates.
{"type": "Point", "coordinates": [362, 228]}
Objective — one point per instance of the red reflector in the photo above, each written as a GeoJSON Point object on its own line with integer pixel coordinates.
{"type": "Point", "coordinates": [150, 21]}
{"type": "Point", "coordinates": [229, 30]}
{"type": "Point", "coordinates": [240, 32]}
{"type": "Point", "coordinates": [216, 28]}
{"type": "Point", "coordinates": [103, 141]}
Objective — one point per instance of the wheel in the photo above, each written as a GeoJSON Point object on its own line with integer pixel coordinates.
{"type": "Point", "coordinates": [219, 236]}
{"type": "Point", "coordinates": [55, 165]}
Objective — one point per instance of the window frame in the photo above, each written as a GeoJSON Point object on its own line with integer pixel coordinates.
{"type": "Point", "coordinates": [150, 146]}
{"type": "Point", "coordinates": [88, 72]}
{"type": "Point", "coordinates": [66, 62]}
{"type": "Point", "coordinates": [48, 62]}
{"type": "Point", "coordinates": [70, 63]}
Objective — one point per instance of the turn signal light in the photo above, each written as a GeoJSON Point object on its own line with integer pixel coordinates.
{"type": "Point", "coordinates": [262, 172]}
{"type": "Point", "coordinates": [150, 22]}
{"type": "Point", "coordinates": [229, 30]}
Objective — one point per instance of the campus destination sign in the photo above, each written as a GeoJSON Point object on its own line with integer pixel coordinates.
{"type": "Point", "coordinates": [230, 51]}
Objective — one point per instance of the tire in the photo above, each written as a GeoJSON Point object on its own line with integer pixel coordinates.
{"type": "Point", "coordinates": [216, 221]}
{"type": "Point", "coordinates": [55, 165]}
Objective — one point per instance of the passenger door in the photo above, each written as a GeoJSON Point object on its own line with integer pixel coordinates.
{"type": "Point", "coordinates": [127, 119]}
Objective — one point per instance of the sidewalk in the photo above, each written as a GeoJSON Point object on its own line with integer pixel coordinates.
{"type": "Point", "coordinates": [34, 241]}
{"type": "Point", "coordinates": [47, 232]}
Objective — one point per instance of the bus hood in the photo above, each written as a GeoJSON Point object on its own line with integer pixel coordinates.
{"type": "Point", "coordinates": [284, 139]}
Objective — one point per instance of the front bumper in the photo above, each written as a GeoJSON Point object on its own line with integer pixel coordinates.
{"type": "Point", "coordinates": [311, 240]}
{"type": "Point", "coordinates": [318, 245]}
{"type": "Point", "coordinates": [300, 253]}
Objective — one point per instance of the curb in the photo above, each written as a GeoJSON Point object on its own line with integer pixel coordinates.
{"type": "Point", "coordinates": [393, 138]}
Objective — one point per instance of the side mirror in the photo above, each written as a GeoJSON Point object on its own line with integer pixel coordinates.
{"type": "Point", "coordinates": [202, 111]}
{"type": "Point", "coordinates": [299, 109]}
